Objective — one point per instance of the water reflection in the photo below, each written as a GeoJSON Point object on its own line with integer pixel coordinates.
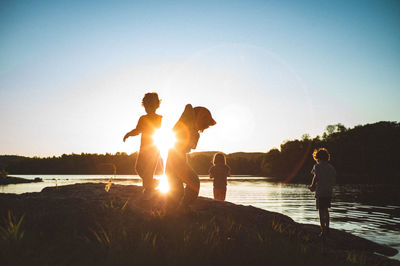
{"type": "Point", "coordinates": [369, 211]}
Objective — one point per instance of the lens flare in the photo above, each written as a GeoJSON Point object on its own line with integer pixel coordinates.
{"type": "Point", "coordinates": [163, 185]}
{"type": "Point", "coordinates": [164, 139]}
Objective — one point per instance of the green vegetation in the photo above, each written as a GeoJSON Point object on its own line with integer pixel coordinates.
{"type": "Point", "coordinates": [363, 154]}
{"type": "Point", "coordinates": [11, 231]}
{"type": "Point", "coordinates": [83, 163]}
{"type": "Point", "coordinates": [82, 224]}
{"type": "Point", "coordinates": [118, 238]}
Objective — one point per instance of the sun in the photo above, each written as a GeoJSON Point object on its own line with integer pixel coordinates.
{"type": "Point", "coordinates": [163, 185]}
{"type": "Point", "coordinates": [164, 139]}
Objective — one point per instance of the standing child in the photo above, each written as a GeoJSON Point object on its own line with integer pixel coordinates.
{"type": "Point", "coordinates": [192, 122]}
{"type": "Point", "coordinates": [219, 171]}
{"type": "Point", "coordinates": [322, 183]}
{"type": "Point", "coordinates": [148, 156]}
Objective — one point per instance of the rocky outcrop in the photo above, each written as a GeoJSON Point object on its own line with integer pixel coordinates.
{"type": "Point", "coordinates": [18, 180]}
{"type": "Point", "coordinates": [77, 209]}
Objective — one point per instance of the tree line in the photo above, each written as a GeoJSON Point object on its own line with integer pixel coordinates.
{"type": "Point", "coordinates": [363, 154]}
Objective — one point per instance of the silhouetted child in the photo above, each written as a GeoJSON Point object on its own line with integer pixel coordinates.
{"type": "Point", "coordinates": [219, 172]}
{"type": "Point", "coordinates": [148, 156]}
{"type": "Point", "coordinates": [322, 183]}
{"type": "Point", "coordinates": [192, 122]}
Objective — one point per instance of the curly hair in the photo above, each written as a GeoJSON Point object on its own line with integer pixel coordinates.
{"type": "Point", "coordinates": [151, 101]}
{"type": "Point", "coordinates": [321, 154]}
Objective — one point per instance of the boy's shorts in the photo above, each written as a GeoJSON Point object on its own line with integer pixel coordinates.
{"type": "Point", "coordinates": [323, 202]}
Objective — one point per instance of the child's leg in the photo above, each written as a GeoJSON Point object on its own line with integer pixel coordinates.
{"type": "Point", "coordinates": [172, 169]}
{"type": "Point", "coordinates": [148, 182]}
{"type": "Point", "coordinates": [145, 166]}
{"type": "Point", "coordinates": [192, 188]}
{"type": "Point", "coordinates": [219, 194]}
{"type": "Point", "coordinates": [215, 192]}
{"type": "Point", "coordinates": [321, 218]}
{"type": "Point", "coordinates": [176, 191]}
{"type": "Point", "coordinates": [223, 194]}
{"type": "Point", "coordinates": [324, 219]}
{"type": "Point", "coordinates": [327, 218]}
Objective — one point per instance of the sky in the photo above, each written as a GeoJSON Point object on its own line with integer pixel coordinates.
{"type": "Point", "coordinates": [73, 73]}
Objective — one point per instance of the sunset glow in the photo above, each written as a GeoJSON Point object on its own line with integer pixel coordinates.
{"type": "Point", "coordinates": [164, 139]}
{"type": "Point", "coordinates": [255, 65]}
{"type": "Point", "coordinates": [163, 185]}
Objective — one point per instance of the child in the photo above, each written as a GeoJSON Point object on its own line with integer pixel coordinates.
{"type": "Point", "coordinates": [322, 184]}
{"type": "Point", "coordinates": [148, 156]}
{"type": "Point", "coordinates": [219, 171]}
{"type": "Point", "coordinates": [192, 122]}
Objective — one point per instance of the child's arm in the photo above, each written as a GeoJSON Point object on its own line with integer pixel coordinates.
{"type": "Point", "coordinates": [133, 132]}
{"type": "Point", "coordinates": [211, 172]}
{"type": "Point", "coordinates": [314, 181]}
{"type": "Point", "coordinates": [136, 131]}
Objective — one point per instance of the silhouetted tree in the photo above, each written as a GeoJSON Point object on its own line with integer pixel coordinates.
{"type": "Point", "coordinates": [363, 154]}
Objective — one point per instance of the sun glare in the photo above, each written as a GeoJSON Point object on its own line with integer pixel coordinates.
{"type": "Point", "coordinates": [163, 185]}
{"type": "Point", "coordinates": [164, 139]}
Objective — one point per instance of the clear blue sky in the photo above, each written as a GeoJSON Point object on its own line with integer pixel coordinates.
{"type": "Point", "coordinates": [73, 73]}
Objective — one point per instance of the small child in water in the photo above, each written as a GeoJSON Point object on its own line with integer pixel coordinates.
{"type": "Point", "coordinates": [322, 184]}
{"type": "Point", "coordinates": [219, 172]}
{"type": "Point", "coordinates": [149, 154]}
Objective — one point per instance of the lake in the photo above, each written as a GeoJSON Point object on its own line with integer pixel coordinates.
{"type": "Point", "coordinates": [369, 211]}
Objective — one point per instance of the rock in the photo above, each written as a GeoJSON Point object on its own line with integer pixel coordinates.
{"type": "Point", "coordinates": [76, 209]}
{"type": "Point", "coordinates": [18, 180]}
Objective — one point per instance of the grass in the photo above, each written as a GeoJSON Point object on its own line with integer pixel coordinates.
{"type": "Point", "coordinates": [120, 238]}
{"type": "Point", "coordinates": [11, 230]}
{"type": "Point", "coordinates": [103, 228]}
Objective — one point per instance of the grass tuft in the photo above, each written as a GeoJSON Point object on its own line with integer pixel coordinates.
{"type": "Point", "coordinates": [11, 230]}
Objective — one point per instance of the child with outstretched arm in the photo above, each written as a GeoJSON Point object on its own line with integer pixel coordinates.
{"type": "Point", "coordinates": [148, 156]}
{"type": "Point", "coordinates": [322, 184]}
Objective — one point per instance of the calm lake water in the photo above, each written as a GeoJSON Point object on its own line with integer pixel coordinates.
{"type": "Point", "coordinates": [369, 211]}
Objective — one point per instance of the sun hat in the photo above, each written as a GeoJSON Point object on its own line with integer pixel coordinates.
{"type": "Point", "coordinates": [203, 116]}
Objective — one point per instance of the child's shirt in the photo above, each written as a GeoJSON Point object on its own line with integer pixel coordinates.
{"type": "Point", "coordinates": [147, 125]}
{"type": "Point", "coordinates": [220, 172]}
{"type": "Point", "coordinates": [325, 174]}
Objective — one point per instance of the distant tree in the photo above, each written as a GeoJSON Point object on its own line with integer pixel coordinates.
{"type": "Point", "coordinates": [200, 163]}
{"type": "Point", "coordinates": [305, 137]}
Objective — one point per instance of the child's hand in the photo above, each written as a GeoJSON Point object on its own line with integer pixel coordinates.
{"type": "Point", "coordinates": [126, 136]}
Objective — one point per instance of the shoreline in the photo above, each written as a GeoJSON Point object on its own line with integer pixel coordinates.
{"type": "Point", "coordinates": [8, 180]}
{"type": "Point", "coordinates": [81, 208]}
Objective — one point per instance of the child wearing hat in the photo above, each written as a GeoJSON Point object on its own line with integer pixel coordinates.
{"type": "Point", "coordinates": [192, 122]}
